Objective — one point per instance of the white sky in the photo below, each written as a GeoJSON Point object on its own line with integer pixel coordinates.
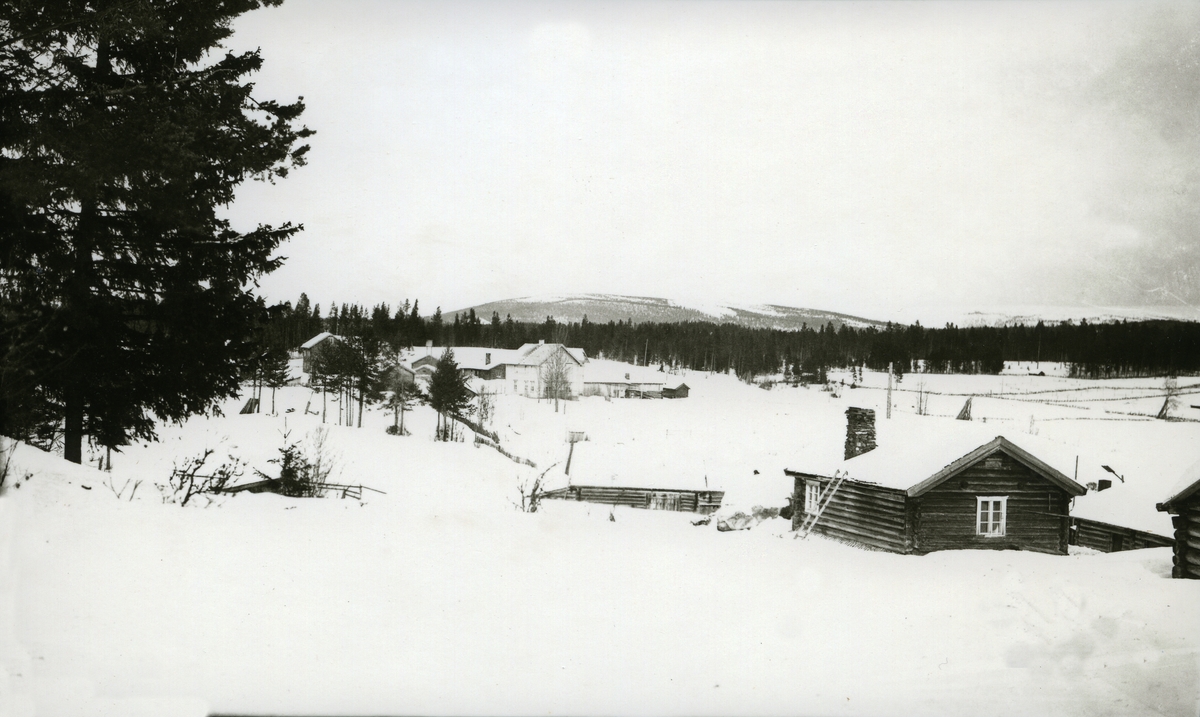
{"type": "Point", "coordinates": [854, 157]}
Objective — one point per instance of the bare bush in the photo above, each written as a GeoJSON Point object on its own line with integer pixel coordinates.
{"type": "Point", "coordinates": [187, 482]}
{"type": "Point", "coordinates": [119, 492]}
{"type": "Point", "coordinates": [531, 493]}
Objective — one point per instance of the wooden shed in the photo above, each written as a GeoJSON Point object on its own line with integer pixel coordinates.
{"type": "Point", "coordinates": [1184, 507]}
{"type": "Point", "coordinates": [677, 389]}
{"type": "Point", "coordinates": [936, 494]}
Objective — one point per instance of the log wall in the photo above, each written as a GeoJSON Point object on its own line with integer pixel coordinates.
{"type": "Point", "coordinates": [685, 500]}
{"type": "Point", "coordinates": [1187, 540]}
{"type": "Point", "coordinates": [1109, 538]}
{"type": "Point", "coordinates": [861, 513]}
{"type": "Point", "coordinates": [1037, 510]}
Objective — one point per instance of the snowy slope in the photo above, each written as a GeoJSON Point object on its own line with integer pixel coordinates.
{"type": "Point", "coordinates": [439, 597]}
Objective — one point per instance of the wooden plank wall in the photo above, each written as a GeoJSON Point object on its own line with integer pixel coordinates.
{"type": "Point", "coordinates": [861, 513]}
{"type": "Point", "coordinates": [1187, 541]}
{"type": "Point", "coordinates": [689, 501]}
{"type": "Point", "coordinates": [1099, 536]}
{"type": "Point", "coordinates": [1037, 510]}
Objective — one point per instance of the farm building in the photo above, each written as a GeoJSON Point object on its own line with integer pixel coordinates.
{"type": "Point", "coordinates": [310, 348]}
{"type": "Point", "coordinates": [1118, 512]}
{"type": "Point", "coordinates": [522, 371]}
{"type": "Point", "coordinates": [613, 379]}
{"type": "Point", "coordinates": [639, 476]}
{"type": "Point", "coordinates": [933, 487]}
{"type": "Point", "coordinates": [1184, 508]}
{"type": "Point", "coordinates": [675, 388]}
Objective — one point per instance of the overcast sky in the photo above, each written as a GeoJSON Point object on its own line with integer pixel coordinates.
{"type": "Point", "coordinates": [857, 157]}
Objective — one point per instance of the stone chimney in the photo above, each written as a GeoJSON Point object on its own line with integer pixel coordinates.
{"type": "Point", "coordinates": [860, 431]}
{"type": "Point", "coordinates": [487, 359]}
{"type": "Point", "coordinates": [429, 347]}
{"type": "Point", "coordinates": [541, 342]}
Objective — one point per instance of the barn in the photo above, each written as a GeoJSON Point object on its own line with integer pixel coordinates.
{"type": "Point", "coordinates": [675, 388]}
{"type": "Point", "coordinates": [935, 486]}
{"type": "Point", "coordinates": [613, 379]}
{"type": "Point", "coordinates": [1184, 508]}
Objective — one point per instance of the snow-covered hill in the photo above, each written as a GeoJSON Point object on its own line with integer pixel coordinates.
{"type": "Point", "coordinates": [602, 308]}
{"type": "Point", "coordinates": [1029, 315]}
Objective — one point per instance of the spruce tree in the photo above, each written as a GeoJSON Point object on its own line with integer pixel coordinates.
{"type": "Point", "coordinates": [276, 371]}
{"type": "Point", "coordinates": [448, 394]}
{"type": "Point", "coordinates": [123, 127]}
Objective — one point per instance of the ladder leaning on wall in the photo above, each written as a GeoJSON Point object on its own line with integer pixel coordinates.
{"type": "Point", "coordinates": [823, 500]}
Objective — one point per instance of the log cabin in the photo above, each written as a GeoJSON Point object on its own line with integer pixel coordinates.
{"type": "Point", "coordinates": [937, 490]}
{"type": "Point", "coordinates": [1184, 508]}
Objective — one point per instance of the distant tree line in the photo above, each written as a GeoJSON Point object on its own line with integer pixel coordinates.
{"type": "Point", "coordinates": [1125, 349]}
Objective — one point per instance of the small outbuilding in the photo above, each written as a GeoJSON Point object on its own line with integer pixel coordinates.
{"type": "Point", "coordinates": [1184, 507]}
{"type": "Point", "coordinates": [940, 489]}
{"type": "Point", "coordinates": [675, 388]}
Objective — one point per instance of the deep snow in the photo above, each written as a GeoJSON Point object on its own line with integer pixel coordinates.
{"type": "Point", "coordinates": [440, 597]}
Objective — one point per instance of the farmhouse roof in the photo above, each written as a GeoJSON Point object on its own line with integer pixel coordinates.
{"type": "Point", "coordinates": [316, 340]}
{"type": "Point", "coordinates": [482, 357]}
{"type": "Point", "coordinates": [916, 456]}
{"type": "Point", "coordinates": [471, 357]}
{"type": "Point", "coordinates": [538, 354]}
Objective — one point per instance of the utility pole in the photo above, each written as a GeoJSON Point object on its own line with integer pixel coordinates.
{"type": "Point", "coordinates": [889, 397]}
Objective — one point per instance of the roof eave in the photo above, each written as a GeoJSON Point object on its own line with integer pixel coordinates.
{"type": "Point", "coordinates": [1170, 504]}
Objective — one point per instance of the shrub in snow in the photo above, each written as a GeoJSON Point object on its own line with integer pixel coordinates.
{"type": "Point", "coordinates": [304, 473]}
{"type": "Point", "coordinates": [187, 482]}
{"type": "Point", "coordinates": [531, 493]}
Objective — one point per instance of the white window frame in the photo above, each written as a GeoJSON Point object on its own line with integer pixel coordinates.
{"type": "Point", "coordinates": [994, 528]}
{"type": "Point", "coordinates": [812, 495]}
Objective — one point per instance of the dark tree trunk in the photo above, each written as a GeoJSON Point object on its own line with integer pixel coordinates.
{"type": "Point", "coordinates": [73, 429]}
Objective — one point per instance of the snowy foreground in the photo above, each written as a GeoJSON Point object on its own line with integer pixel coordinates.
{"type": "Point", "coordinates": [440, 597]}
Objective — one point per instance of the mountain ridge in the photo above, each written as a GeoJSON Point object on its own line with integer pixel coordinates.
{"type": "Point", "coordinates": [603, 308]}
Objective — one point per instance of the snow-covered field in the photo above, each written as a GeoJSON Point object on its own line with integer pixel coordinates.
{"type": "Point", "coordinates": [439, 596]}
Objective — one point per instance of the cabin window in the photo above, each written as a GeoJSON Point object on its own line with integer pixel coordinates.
{"type": "Point", "coordinates": [990, 514]}
{"type": "Point", "coordinates": [812, 495]}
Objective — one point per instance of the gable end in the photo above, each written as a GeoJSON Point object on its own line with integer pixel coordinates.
{"type": "Point", "coordinates": [997, 444]}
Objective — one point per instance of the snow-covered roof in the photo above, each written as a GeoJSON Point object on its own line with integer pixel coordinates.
{"type": "Point", "coordinates": [604, 371]}
{"type": "Point", "coordinates": [1186, 485]}
{"type": "Point", "coordinates": [472, 357]}
{"type": "Point", "coordinates": [538, 354]}
{"type": "Point", "coordinates": [649, 464]}
{"type": "Point", "coordinates": [482, 357]}
{"type": "Point", "coordinates": [316, 340]}
{"type": "Point", "coordinates": [914, 454]}
{"type": "Point", "coordinates": [673, 382]}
